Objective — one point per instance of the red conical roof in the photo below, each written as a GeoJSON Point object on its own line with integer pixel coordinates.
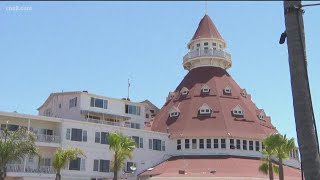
{"type": "Point", "coordinates": [206, 29]}
{"type": "Point", "coordinates": [221, 121]}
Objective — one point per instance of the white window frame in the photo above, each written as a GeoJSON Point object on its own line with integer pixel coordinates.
{"type": "Point", "coordinates": [227, 90]}
{"type": "Point", "coordinates": [184, 91]}
{"type": "Point", "coordinates": [238, 111]}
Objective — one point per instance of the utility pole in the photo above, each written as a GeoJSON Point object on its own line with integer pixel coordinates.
{"type": "Point", "coordinates": [303, 111]}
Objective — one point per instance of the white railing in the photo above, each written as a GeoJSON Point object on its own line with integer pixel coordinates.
{"type": "Point", "coordinates": [48, 138]}
{"type": "Point", "coordinates": [207, 53]}
{"type": "Point", "coordinates": [42, 138]}
{"type": "Point", "coordinates": [98, 121]}
{"type": "Point", "coordinates": [30, 169]}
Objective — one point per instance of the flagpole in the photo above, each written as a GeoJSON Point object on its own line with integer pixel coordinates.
{"type": "Point", "coordinates": [128, 89]}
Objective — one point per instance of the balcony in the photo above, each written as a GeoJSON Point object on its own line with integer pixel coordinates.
{"type": "Point", "coordinates": [20, 168]}
{"type": "Point", "coordinates": [48, 138]}
{"type": "Point", "coordinates": [211, 53]}
{"type": "Point", "coordinates": [98, 121]}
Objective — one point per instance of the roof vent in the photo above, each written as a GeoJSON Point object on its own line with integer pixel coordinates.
{"type": "Point", "coordinates": [174, 112]}
{"type": "Point", "coordinates": [184, 91]}
{"type": "Point", "coordinates": [238, 111]}
{"type": "Point", "coordinates": [85, 91]}
{"type": "Point", "coordinates": [205, 89]}
{"type": "Point", "coordinates": [262, 115]}
{"type": "Point", "coordinates": [243, 93]}
{"type": "Point", "coordinates": [205, 109]}
{"type": "Point", "coordinates": [227, 90]}
{"type": "Point", "coordinates": [182, 171]}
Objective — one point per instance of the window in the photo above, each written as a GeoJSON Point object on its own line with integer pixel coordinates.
{"type": "Point", "coordinates": [131, 109]}
{"type": "Point", "coordinates": [95, 165]}
{"type": "Point", "coordinates": [77, 164]}
{"type": "Point", "coordinates": [243, 93]}
{"type": "Point", "coordinates": [135, 125]}
{"type": "Point", "coordinates": [208, 143]}
{"type": "Point", "coordinates": [76, 135]}
{"type": "Point", "coordinates": [198, 45]}
{"type": "Point", "coordinates": [262, 115]}
{"type": "Point", "coordinates": [251, 145]}
{"type": "Point", "coordinates": [220, 46]}
{"type": "Point", "coordinates": [99, 103]}
{"type": "Point", "coordinates": [147, 115]}
{"type": "Point", "coordinates": [215, 143]}
{"type": "Point", "coordinates": [48, 112]}
{"type": "Point", "coordinates": [10, 127]}
{"type": "Point", "coordinates": [227, 90]}
{"type": "Point", "coordinates": [174, 114]}
{"type": "Point", "coordinates": [238, 144]}
{"type": "Point", "coordinates": [223, 143]}
{"type": "Point", "coordinates": [184, 91]}
{"type": "Point", "coordinates": [104, 138]}
{"type": "Point", "coordinates": [179, 144]}
{"type": "Point", "coordinates": [201, 143]}
{"type": "Point", "coordinates": [206, 43]}
{"type": "Point", "coordinates": [187, 144]}
{"type": "Point", "coordinates": [73, 102]}
{"type": "Point", "coordinates": [163, 145]}
{"type": "Point", "coordinates": [157, 144]}
{"type": "Point", "coordinates": [205, 89]}
{"type": "Point", "coordinates": [104, 166]}
{"type": "Point", "coordinates": [97, 138]}
{"type": "Point", "coordinates": [238, 111]}
{"type": "Point", "coordinates": [130, 166]}
{"type": "Point", "coordinates": [194, 143]}
{"type": "Point", "coordinates": [138, 140]}
{"type": "Point", "coordinates": [257, 146]}
{"type": "Point", "coordinates": [262, 145]}
{"type": "Point", "coordinates": [244, 144]}
{"type": "Point", "coordinates": [205, 109]}
{"type": "Point", "coordinates": [60, 106]}
{"type": "Point", "coordinates": [232, 144]}
{"type": "Point", "coordinates": [45, 162]}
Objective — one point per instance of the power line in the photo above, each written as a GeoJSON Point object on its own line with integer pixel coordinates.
{"type": "Point", "coordinates": [316, 4]}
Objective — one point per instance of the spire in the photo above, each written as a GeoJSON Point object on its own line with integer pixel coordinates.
{"type": "Point", "coordinates": [206, 29]}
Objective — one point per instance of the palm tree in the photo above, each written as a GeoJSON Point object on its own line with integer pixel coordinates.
{"type": "Point", "coordinates": [282, 150]}
{"type": "Point", "coordinates": [15, 145]}
{"type": "Point", "coordinates": [62, 156]}
{"type": "Point", "coordinates": [267, 167]}
{"type": "Point", "coordinates": [122, 147]}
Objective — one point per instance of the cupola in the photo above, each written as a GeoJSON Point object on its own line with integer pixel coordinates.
{"type": "Point", "coordinates": [206, 47]}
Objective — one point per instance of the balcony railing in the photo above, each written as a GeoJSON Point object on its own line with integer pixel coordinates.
{"type": "Point", "coordinates": [48, 138]}
{"type": "Point", "coordinates": [20, 168]}
{"type": "Point", "coordinates": [207, 53]}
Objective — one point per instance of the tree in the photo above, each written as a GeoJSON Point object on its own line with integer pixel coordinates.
{"type": "Point", "coordinates": [282, 149]}
{"type": "Point", "coordinates": [267, 167]}
{"type": "Point", "coordinates": [15, 145]}
{"type": "Point", "coordinates": [61, 158]}
{"type": "Point", "coordinates": [122, 147]}
{"type": "Point", "coordinates": [303, 111]}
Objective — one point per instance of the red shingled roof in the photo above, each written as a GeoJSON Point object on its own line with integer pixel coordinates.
{"type": "Point", "coordinates": [224, 166]}
{"type": "Point", "coordinates": [221, 122]}
{"type": "Point", "coordinates": [206, 29]}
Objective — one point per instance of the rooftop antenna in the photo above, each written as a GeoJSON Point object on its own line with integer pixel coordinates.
{"type": "Point", "coordinates": [128, 88]}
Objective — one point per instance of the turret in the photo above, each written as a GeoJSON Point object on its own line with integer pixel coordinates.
{"type": "Point", "coordinates": [207, 48]}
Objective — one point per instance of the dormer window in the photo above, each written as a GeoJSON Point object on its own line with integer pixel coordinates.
{"type": "Point", "coordinates": [238, 111]}
{"type": "Point", "coordinates": [243, 93]}
{"type": "Point", "coordinates": [205, 89]}
{"type": "Point", "coordinates": [262, 115]}
{"type": "Point", "coordinates": [174, 112]}
{"type": "Point", "coordinates": [227, 90]}
{"type": "Point", "coordinates": [205, 109]}
{"type": "Point", "coordinates": [184, 91]}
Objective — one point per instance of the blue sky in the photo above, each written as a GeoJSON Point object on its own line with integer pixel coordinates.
{"type": "Point", "coordinates": [96, 46]}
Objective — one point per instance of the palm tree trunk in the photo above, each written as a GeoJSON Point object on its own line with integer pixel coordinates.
{"type": "Point", "coordinates": [303, 111]}
{"type": "Point", "coordinates": [270, 170]}
{"type": "Point", "coordinates": [58, 175]}
{"type": "Point", "coordinates": [281, 174]}
{"type": "Point", "coordinates": [115, 167]}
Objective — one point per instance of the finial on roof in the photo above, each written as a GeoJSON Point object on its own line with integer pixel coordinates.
{"type": "Point", "coordinates": [206, 7]}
